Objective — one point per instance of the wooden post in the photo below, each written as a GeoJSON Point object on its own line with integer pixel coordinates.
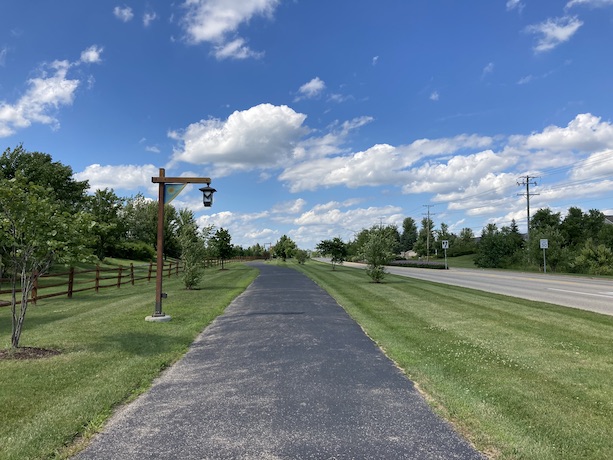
{"type": "Point", "coordinates": [150, 271]}
{"type": "Point", "coordinates": [132, 273]}
{"type": "Point", "coordinates": [97, 278]}
{"type": "Point", "coordinates": [70, 282]}
{"type": "Point", "coordinates": [119, 277]}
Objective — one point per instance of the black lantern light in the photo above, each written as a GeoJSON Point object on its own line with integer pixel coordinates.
{"type": "Point", "coordinates": [207, 195]}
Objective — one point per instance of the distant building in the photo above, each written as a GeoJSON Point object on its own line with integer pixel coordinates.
{"type": "Point", "coordinates": [608, 220]}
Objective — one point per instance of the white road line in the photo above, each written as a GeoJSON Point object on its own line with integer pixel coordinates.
{"type": "Point", "coordinates": [607, 295]}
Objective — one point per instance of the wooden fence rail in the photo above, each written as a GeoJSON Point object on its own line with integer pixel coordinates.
{"type": "Point", "coordinates": [73, 281]}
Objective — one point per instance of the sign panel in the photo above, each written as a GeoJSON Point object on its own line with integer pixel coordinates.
{"type": "Point", "coordinates": [445, 244]}
{"type": "Point", "coordinates": [544, 244]}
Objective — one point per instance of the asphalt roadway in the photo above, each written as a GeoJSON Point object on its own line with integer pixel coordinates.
{"type": "Point", "coordinates": [284, 373]}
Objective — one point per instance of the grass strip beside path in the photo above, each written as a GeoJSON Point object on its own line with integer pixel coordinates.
{"type": "Point", "coordinates": [109, 354]}
{"type": "Point", "coordinates": [520, 379]}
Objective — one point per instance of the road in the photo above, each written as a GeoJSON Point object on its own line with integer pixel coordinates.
{"type": "Point", "coordinates": [593, 294]}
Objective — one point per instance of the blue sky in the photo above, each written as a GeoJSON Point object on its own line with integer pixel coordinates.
{"type": "Point", "coordinates": [316, 119]}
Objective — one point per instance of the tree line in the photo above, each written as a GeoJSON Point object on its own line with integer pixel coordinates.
{"type": "Point", "coordinates": [580, 242]}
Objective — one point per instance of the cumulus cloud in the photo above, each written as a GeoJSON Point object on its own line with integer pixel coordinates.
{"type": "Point", "coordinates": [92, 54]}
{"type": "Point", "coordinates": [311, 89]}
{"type": "Point", "coordinates": [554, 31]}
{"type": "Point", "coordinates": [124, 177]}
{"type": "Point", "coordinates": [260, 137]}
{"type": "Point", "coordinates": [585, 133]}
{"type": "Point", "coordinates": [124, 13]}
{"type": "Point", "coordinates": [435, 96]}
{"type": "Point", "coordinates": [382, 164]}
{"type": "Point", "coordinates": [45, 95]}
{"type": "Point", "coordinates": [213, 21]}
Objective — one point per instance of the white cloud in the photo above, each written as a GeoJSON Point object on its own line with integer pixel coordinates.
{"type": "Point", "coordinates": [375, 60]}
{"type": "Point", "coordinates": [488, 69]}
{"type": "Point", "coordinates": [554, 32]}
{"type": "Point", "coordinates": [152, 148]}
{"type": "Point", "coordinates": [585, 133]}
{"type": "Point", "coordinates": [382, 164]}
{"type": "Point", "coordinates": [590, 3]}
{"type": "Point", "coordinates": [289, 207]}
{"type": "Point", "coordinates": [435, 96]}
{"type": "Point", "coordinates": [311, 89]}
{"type": "Point", "coordinates": [3, 52]}
{"type": "Point", "coordinates": [212, 21]}
{"type": "Point", "coordinates": [124, 14]}
{"type": "Point", "coordinates": [148, 18]}
{"type": "Point", "coordinates": [45, 96]}
{"type": "Point", "coordinates": [124, 177]}
{"type": "Point", "coordinates": [92, 54]}
{"type": "Point", "coordinates": [599, 164]}
{"type": "Point", "coordinates": [260, 137]}
{"type": "Point", "coordinates": [515, 4]}
{"type": "Point", "coordinates": [235, 49]}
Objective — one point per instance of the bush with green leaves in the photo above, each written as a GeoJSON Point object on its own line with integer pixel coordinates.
{"type": "Point", "coordinates": [378, 251]}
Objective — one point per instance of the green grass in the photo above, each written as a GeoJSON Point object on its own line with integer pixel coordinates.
{"type": "Point", "coordinates": [109, 355]}
{"type": "Point", "coordinates": [520, 379]}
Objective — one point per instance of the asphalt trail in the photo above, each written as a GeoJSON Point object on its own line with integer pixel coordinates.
{"type": "Point", "coordinates": [284, 373]}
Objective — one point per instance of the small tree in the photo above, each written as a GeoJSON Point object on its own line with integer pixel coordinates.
{"type": "Point", "coordinates": [285, 247]}
{"type": "Point", "coordinates": [335, 248]}
{"type": "Point", "coordinates": [377, 251]}
{"type": "Point", "coordinates": [221, 245]}
{"type": "Point", "coordinates": [301, 256]}
{"type": "Point", "coordinates": [36, 230]}
{"type": "Point", "coordinates": [193, 249]}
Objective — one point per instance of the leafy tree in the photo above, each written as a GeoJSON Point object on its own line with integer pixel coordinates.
{"type": "Point", "coordinates": [284, 248]}
{"type": "Point", "coordinates": [221, 245]}
{"type": "Point", "coordinates": [39, 168]}
{"type": "Point", "coordinates": [301, 256]}
{"type": "Point", "coordinates": [335, 248]}
{"type": "Point", "coordinates": [544, 218]}
{"type": "Point", "coordinates": [141, 219]}
{"type": "Point", "coordinates": [573, 227]}
{"type": "Point", "coordinates": [377, 252]}
{"type": "Point", "coordinates": [594, 259]}
{"type": "Point", "coordinates": [36, 230]}
{"type": "Point", "coordinates": [409, 234]}
{"type": "Point", "coordinates": [426, 233]}
{"type": "Point", "coordinates": [498, 248]}
{"type": "Point", "coordinates": [105, 208]}
{"type": "Point", "coordinates": [557, 254]}
{"type": "Point", "coordinates": [193, 249]}
{"type": "Point", "coordinates": [463, 244]}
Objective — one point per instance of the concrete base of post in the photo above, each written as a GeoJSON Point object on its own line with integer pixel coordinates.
{"type": "Point", "coordinates": [158, 319]}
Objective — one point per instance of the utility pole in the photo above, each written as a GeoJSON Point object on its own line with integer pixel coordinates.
{"type": "Point", "coordinates": [525, 181]}
{"type": "Point", "coordinates": [428, 232]}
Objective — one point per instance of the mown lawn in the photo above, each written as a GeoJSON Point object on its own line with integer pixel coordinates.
{"type": "Point", "coordinates": [109, 354]}
{"type": "Point", "coordinates": [520, 379]}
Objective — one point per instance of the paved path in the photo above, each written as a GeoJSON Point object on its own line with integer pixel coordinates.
{"type": "Point", "coordinates": [284, 373]}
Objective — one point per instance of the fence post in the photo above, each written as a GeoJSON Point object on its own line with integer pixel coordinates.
{"type": "Point", "coordinates": [150, 270]}
{"type": "Point", "coordinates": [169, 269]}
{"type": "Point", "coordinates": [97, 278]}
{"type": "Point", "coordinates": [132, 273]}
{"type": "Point", "coordinates": [119, 277]}
{"type": "Point", "coordinates": [70, 282]}
{"type": "Point", "coordinates": [177, 269]}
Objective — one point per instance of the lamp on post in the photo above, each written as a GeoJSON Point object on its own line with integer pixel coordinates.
{"type": "Point", "coordinates": [169, 188]}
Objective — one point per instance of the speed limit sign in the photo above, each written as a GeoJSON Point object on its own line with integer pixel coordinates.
{"type": "Point", "coordinates": [445, 244]}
